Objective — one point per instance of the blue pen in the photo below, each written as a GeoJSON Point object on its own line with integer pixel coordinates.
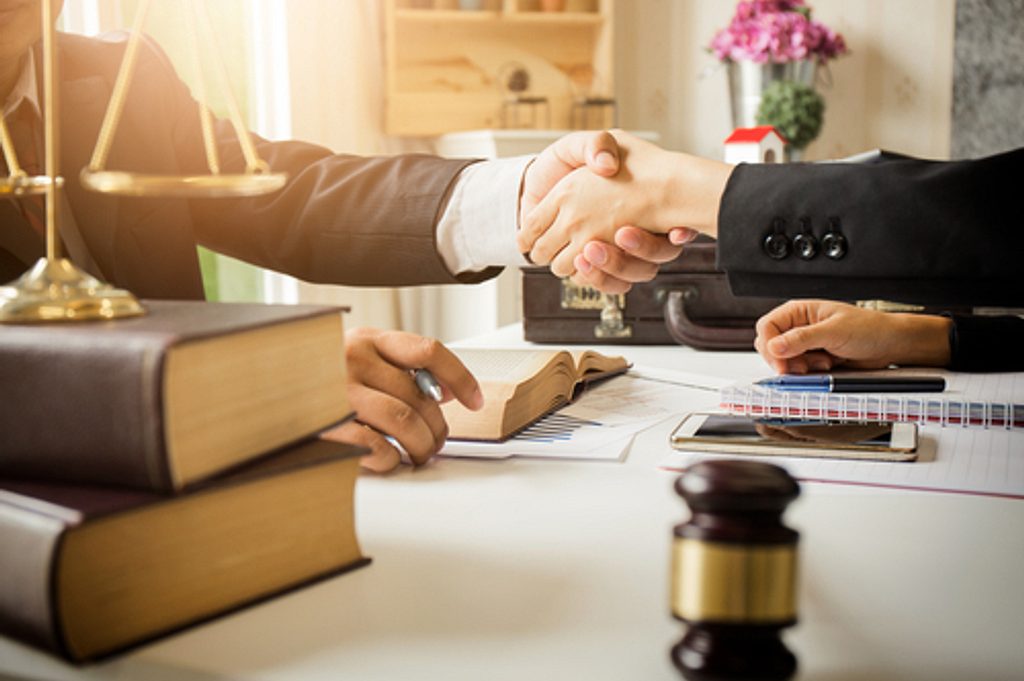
{"type": "Point", "coordinates": [855, 384]}
{"type": "Point", "coordinates": [428, 385]}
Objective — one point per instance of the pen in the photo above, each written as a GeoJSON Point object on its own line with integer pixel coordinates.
{"type": "Point", "coordinates": [427, 384]}
{"type": "Point", "coordinates": [856, 384]}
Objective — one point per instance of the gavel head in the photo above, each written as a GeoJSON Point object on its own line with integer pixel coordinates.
{"type": "Point", "coordinates": [734, 572]}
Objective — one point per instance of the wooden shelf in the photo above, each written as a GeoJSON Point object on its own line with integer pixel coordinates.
{"type": "Point", "coordinates": [444, 66]}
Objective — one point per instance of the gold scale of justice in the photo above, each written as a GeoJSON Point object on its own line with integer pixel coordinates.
{"type": "Point", "coordinates": [56, 290]}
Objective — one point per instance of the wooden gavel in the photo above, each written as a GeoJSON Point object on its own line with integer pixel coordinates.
{"type": "Point", "coordinates": [734, 572]}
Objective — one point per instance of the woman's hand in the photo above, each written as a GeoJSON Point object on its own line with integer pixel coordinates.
{"type": "Point", "coordinates": [817, 335]}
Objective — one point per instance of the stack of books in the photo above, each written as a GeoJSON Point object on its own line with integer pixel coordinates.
{"type": "Point", "coordinates": [158, 471]}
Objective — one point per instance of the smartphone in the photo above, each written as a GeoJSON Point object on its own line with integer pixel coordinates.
{"type": "Point", "coordinates": [734, 434]}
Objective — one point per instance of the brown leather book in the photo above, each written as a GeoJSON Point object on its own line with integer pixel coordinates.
{"type": "Point", "coordinates": [522, 386]}
{"type": "Point", "coordinates": [165, 400]}
{"type": "Point", "coordinates": [91, 570]}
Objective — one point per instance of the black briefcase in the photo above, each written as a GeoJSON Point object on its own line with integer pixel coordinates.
{"type": "Point", "coordinates": [689, 302]}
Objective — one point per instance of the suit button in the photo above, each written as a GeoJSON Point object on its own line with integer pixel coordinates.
{"type": "Point", "coordinates": [776, 245]}
{"type": "Point", "coordinates": [834, 245]}
{"type": "Point", "coordinates": [805, 245]}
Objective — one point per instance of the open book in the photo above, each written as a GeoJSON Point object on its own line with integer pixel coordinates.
{"type": "Point", "coordinates": [521, 386]}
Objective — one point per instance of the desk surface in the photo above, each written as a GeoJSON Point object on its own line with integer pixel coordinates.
{"type": "Point", "coordinates": [538, 569]}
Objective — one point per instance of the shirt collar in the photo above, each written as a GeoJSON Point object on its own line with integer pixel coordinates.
{"type": "Point", "coordinates": [25, 90]}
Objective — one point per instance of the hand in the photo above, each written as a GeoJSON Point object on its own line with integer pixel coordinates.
{"type": "Point", "coordinates": [654, 189]}
{"type": "Point", "coordinates": [599, 152]}
{"type": "Point", "coordinates": [817, 335]}
{"type": "Point", "coordinates": [387, 402]}
{"type": "Point", "coordinates": [634, 257]}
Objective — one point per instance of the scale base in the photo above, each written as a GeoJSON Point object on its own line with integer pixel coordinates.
{"type": "Point", "coordinates": [57, 291]}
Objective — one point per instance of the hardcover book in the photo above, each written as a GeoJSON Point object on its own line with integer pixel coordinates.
{"type": "Point", "coordinates": [521, 386]}
{"type": "Point", "coordinates": [165, 400]}
{"type": "Point", "coordinates": [90, 570]}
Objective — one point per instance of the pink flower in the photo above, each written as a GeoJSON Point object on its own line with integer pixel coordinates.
{"type": "Point", "coordinates": [776, 31]}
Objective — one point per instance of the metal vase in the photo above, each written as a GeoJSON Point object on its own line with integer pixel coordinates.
{"type": "Point", "coordinates": [747, 80]}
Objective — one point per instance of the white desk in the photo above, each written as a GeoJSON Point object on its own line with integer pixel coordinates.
{"type": "Point", "coordinates": [530, 569]}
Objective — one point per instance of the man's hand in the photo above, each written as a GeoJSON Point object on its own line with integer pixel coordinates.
{"type": "Point", "coordinates": [387, 402]}
{"type": "Point", "coordinates": [600, 153]}
{"type": "Point", "coordinates": [817, 335]}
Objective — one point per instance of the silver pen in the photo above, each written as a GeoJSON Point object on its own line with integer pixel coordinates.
{"type": "Point", "coordinates": [428, 385]}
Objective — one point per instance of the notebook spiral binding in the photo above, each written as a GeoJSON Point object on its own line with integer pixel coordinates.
{"type": "Point", "coordinates": [765, 402]}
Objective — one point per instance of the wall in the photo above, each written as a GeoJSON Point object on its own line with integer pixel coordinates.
{"type": "Point", "coordinates": [893, 90]}
{"type": "Point", "coordinates": [988, 81]}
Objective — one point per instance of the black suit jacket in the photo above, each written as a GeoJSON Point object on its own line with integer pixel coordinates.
{"type": "Point", "coordinates": [915, 231]}
{"type": "Point", "coordinates": [340, 219]}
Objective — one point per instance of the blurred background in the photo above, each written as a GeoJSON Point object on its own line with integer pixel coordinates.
{"type": "Point", "coordinates": [932, 78]}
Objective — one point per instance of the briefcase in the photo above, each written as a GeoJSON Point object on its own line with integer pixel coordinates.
{"type": "Point", "coordinates": [689, 302]}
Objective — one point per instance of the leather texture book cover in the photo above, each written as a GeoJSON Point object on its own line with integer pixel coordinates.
{"type": "Point", "coordinates": [91, 570]}
{"type": "Point", "coordinates": [163, 401]}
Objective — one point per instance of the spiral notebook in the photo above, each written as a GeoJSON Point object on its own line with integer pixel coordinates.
{"type": "Point", "coordinates": [971, 400]}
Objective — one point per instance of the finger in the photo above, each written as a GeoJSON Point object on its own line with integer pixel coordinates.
{"type": "Point", "coordinates": [779, 320]}
{"type": "Point", "coordinates": [386, 414]}
{"type": "Point", "coordinates": [798, 340]}
{"type": "Point", "coordinates": [552, 241]}
{"type": "Point", "coordinates": [682, 235]}
{"type": "Point", "coordinates": [819, 360]}
{"type": "Point", "coordinates": [643, 245]}
{"type": "Point", "coordinates": [562, 264]}
{"type": "Point", "coordinates": [383, 456]}
{"type": "Point", "coordinates": [620, 265]}
{"type": "Point", "coordinates": [538, 221]}
{"type": "Point", "coordinates": [411, 351]}
{"type": "Point", "coordinates": [601, 153]}
{"type": "Point", "coordinates": [587, 275]}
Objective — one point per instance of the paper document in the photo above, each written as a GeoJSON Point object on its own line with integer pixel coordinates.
{"type": "Point", "coordinates": [602, 423]}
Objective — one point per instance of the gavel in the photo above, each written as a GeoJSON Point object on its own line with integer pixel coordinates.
{"type": "Point", "coordinates": [734, 572]}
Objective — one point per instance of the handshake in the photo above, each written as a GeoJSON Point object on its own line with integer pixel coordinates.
{"type": "Point", "coordinates": [610, 218]}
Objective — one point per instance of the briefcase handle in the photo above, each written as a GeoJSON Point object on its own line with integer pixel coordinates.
{"type": "Point", "coordinates": [687, 332]}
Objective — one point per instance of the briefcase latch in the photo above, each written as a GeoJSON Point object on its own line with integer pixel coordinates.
{"type": "Point", "coordinates": [612, 322]}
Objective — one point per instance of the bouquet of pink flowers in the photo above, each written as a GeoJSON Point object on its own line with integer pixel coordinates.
{"type": "Point", "coordinates": [777, 32]}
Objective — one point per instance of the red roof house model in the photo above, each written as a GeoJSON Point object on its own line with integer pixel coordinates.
{"type": "Point", "coordinates": [755, 134]}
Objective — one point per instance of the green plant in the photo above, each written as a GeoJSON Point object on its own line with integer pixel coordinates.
{"type": "Point", "coordinates": [794, 109]}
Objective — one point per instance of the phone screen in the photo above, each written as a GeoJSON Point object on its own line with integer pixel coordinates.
{"type": "Point", "coordinates": [795, 433]}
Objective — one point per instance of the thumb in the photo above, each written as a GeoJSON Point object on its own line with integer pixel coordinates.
{"type": "Point", "coordinates": [602, 154]}
{"type": "Point", "coordinates": [798, 341]}
{"type": "Point", "coordinates": [599, 151]}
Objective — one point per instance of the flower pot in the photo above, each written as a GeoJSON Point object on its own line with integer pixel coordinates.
{"type": "Point", "coordinates": [747, 80]}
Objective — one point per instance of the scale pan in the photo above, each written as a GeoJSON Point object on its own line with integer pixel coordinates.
{"type": "Point", "coordinates": [188, 186]}
{"type": "Point", "coordinates": [25, 185]}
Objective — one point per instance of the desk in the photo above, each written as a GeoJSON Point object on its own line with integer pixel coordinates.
{"type": "Point", "coordinates": [536, 569]}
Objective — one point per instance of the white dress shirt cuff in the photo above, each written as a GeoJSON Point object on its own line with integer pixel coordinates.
{"type": "Point", "coordinates": [478, 226]}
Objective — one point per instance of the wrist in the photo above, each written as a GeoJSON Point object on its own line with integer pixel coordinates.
{"type": "Point", "coordinates": [924, 339]}
{"type": "Point", "coordinates": [693, 192]}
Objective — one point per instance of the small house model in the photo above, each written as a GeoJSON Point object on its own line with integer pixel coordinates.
{"type": "Point", "coordinates": [762, 144]}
